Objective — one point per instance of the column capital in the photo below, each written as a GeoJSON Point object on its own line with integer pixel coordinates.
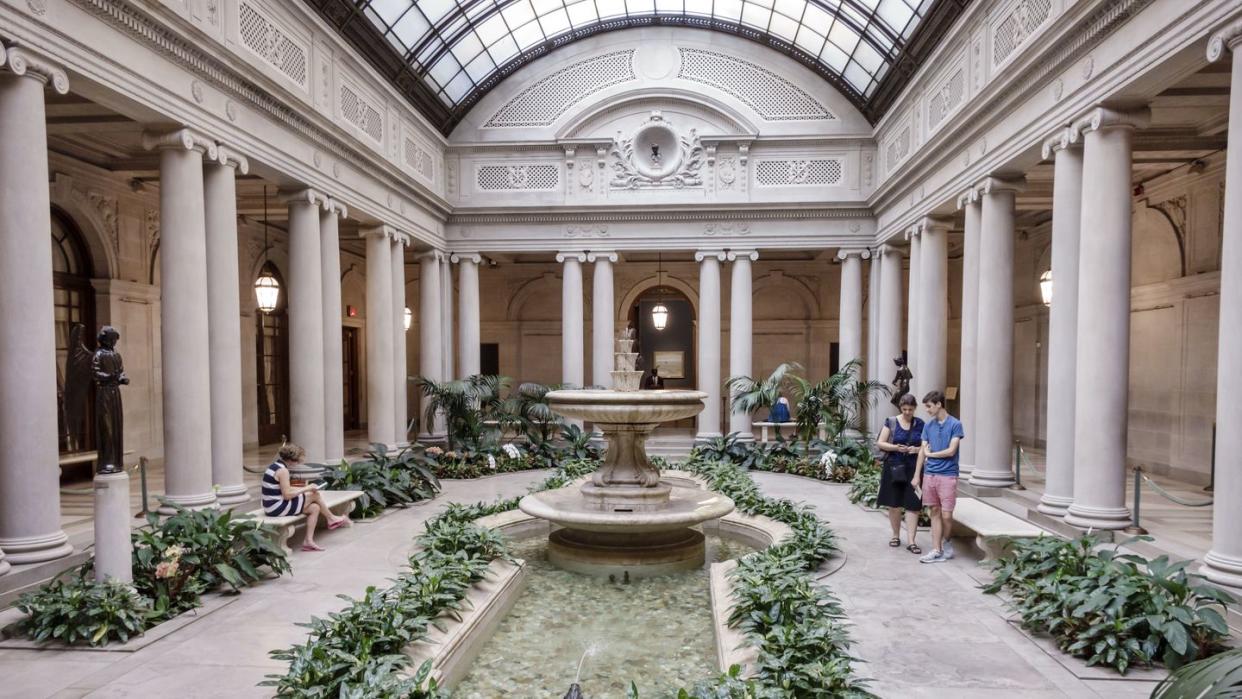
{"type": "Point", "coordinates": [861, 253]}
{"type": "Point", "coordinates": [1227, 37]}
{"type": "Point", "coordinates": [336, 207]}
{"type": "Point", "coordinates": [970, 196]}
{"type": "Point", "coordinates": [1101, 118]}
{"type": "Point", "coordinates": [566, 256]}
{"type": "Point", "coordinates": [228, 157]}
{"type": "Point", "coordinates": [996, 185]}
{"type": "Point", "coordinates": [1062, 139]}
{"type": "Point", "coordinates": [434, 256]}
{"type": "Point", "coordinates": [718, 255]}
{"type": "Point", "coordinates": [603, 256]}
{"type": "Point", "coordinates": [21, 61]}
{"type": "Point", "coordinates": [735, 255]}
{"type": "Point", "coordinates": [458, 257]}
{"type": "Point", "coordinates": [381, 231]}
{"type": "Point", "coordinates": [886, 249]}
{"type": "Point", "coordinates": [180, 139]}
{"type": "Point", "coordinates": [304, 196]}
{"type": "Point", "coordinates": [935, 223]}
{"type": "Point", "coordinates": [912, 232]}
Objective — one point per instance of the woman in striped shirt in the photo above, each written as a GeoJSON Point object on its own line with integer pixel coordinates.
{"type": "Point", "coordinates": [280, 499]}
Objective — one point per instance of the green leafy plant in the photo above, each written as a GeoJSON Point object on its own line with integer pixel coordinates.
{"type": "Point", "coordinates": [724, 448]}
{"type": "Point", "coordinates": [748, 395]}
{"type": "Point", "coordinates": [1111, 608]}
{"type": "Point", "coordinates": [385, 480]}
{"type": "Point", "coordinates": [865, 487]}
{"type": "Point", "coordinates": [839, 402]}
{"type": "Point", "coordinates": [1217, 676]}
{"type": "Point", "coordinates": [75, 609]}
{"type": "Point", "coordinates": [466, 404]}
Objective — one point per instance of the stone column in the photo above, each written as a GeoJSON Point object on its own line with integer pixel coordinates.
{"type": "Point", "coordinates": [430, 363]}
{"type": "Point", "coordinates": [1063, 319]}
{"type": "Point", "coordinates": [400, 362]}
{"type": "Point", "coordinates": [381, 426]}
{"type": "Point", "coordinates": [306, 365]}
{"type": "Point", "coordinates": [333, 361]}
{"type": "Point", "coordinates": [912, 310]}
{"type": "Point", "coordinates": [709, 341]}
{"type": "Point", "coordinates": [224, 325]}
{"type": "Point", "coordinates": [468, 334]}
{"type": "Point", "coordinates": [184, 332]}
{"type": "Point", "coordinates": [1102, 376]}
{"type": "Point", "coordinates": [850, 332]}
{"type": "Point", "coordinates": [875, 369]}
{"type": "Point", "coordinates": [603, 318]}
{"type": "Point", "coordinates": [933, 306]}
{"type": "Point", "coordinates": [446, 320]}
{"type": "Point", "coordinates": [571, 318]}
{"type": "Point", "coordinates": [891, 302]}
{"type": "Point", "coordinates": [29, 498]}
{"type": "Point", "coordinates": [993, 428]}
{"type": "Point", "coordinates": [972, 213]}
{"type": "Point", "coordinates": [1223, 563]}
{"type": "Point", "coordinates": [741, 332]}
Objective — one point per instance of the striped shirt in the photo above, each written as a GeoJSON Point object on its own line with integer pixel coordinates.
{"type": "Point", "coordinates": [274, 503]}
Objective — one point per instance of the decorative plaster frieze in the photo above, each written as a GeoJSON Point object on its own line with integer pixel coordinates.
{"type": "Point", "coordinates": [1107, 118]}
{"type": "Point", "coordinates": [641, 216]}
{"type": "Point", "coordinates": [771, 96]}
{"type": "Point", "coordinates": [586, 232]}
{"type": "Point", "coordinates": [1228, 37]}
{"type": "Point", "coordinates": [726, 229]}
{"type": "Point", "coordinates": [656, 156]}
{"type": "Point", "coordinates": [186, 139]}
{"type": "Point", "coordinates": [21, 61]}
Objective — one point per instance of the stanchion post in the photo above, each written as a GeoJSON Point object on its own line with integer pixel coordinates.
{"type": "Point", "coordinates": [1211, 487]}
{"type": "Point", "coordinates": [1135, 527]}
{"type": "Point", "coordinates": [1017, 467]}
{"type": "Point", "coordinates": [142, 472]}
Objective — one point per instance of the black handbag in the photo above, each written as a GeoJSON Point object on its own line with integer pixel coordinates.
{"type": "Point", "coordinates": [899, 473]}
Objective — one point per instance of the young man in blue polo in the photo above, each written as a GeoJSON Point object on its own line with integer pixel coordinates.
{"type": "Point", "coordinates": [938, 466]}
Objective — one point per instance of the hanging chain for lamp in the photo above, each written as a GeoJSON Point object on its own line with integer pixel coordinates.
{"type": "Point", "coordinates": [266, 288]}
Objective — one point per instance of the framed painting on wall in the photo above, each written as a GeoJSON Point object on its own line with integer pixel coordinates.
{"type": "Point", "coordinates": [672, 365]}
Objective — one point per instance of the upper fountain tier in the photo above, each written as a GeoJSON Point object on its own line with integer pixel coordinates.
{"type": "Point", "coordinates": [627, 407]}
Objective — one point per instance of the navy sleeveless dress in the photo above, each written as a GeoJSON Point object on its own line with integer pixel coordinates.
{"type": "Point", "coordinates": [274, 504]}
{"type": "Point", "coordinates": [900, 494]}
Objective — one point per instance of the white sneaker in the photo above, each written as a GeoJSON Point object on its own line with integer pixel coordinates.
{"type": "Point", "coordinates": [933, 557]}
{"type": "Point", "coordinates": [948, 550]}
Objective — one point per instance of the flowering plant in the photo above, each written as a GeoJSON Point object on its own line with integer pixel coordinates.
{"type": "Point", "coordinates": [512, 451]}
{"type": "Point", "coordinates": [434, 451]}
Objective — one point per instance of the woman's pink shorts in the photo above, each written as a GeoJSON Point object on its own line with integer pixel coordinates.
{"type": "Point", "coordinates": [940, 491]}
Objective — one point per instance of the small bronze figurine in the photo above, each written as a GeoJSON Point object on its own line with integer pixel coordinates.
{"type": "Point", "coordinates": [109, 377]}
{"type": "Point", "coordinates": [655, 153]}
{"type": "Point", "coordinates": [902, 380]}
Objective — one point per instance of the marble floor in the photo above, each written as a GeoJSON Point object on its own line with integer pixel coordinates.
{"type": "Point", "coordinates": [922, 630]}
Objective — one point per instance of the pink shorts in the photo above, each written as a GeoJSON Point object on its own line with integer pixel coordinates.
{"type": "Point", "coordinates": [940, 491]}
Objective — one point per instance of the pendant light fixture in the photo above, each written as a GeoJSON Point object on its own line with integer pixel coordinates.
{"type": "Point", "coordinates": [1045, 287]}
{"type": "Point", "coordinates": [266, 288]}
{"type": "Point", "coordinates": [659, 312]}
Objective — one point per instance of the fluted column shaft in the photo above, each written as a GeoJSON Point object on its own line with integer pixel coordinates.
{"type": "Point", "coordinates": [333, 361]}
{"type": "Point", "coordinates": [400, 375]}
{"type": "Point", "coordinates": [603, 318]}
{"type": "Point", "coordinates": [1223, 564]}
{"type": "Point", "coordinates": [1102, 377]}
{"type": "Point", "coordinates": [468, 311]}
{"type": "Point", "coordinates": [29, 499]}
{"type": "Point", "coordinates": [891, 302]}
{"type": "Point", "coordinates": [306, 366]}
{"type": "Point", "coordinates": [967, 402]}
{"type": "Point", "coordinates": [913, 315]}
{"type": "Point", "coordinates": [709, 341]}
{"type": "Point", "coordinates": [1063, 321]}
{"type": "Point", "coordinates": [430, 363]}
{"type": "Point", "coordinates": [849, 317]}
{"type": "Point", "coordinates": [741, 331]}
{"type": "Point", "coordinates": [933, 306]}
{"type": "Point", "coordinates": [381, 424]}
{"type": "Point", "coordinates": [446, 320]}
{"type": "Point", "coordinates": [224, 325]}
{"type": "Point", "coordinates": [993, 428]}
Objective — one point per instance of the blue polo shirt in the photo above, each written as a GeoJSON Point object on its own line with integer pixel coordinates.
{"type": "Point", "coordinates": [937, 436]}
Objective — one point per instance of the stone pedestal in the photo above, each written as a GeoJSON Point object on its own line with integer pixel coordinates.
{"type": "Point", "coordinates": [113, 549]}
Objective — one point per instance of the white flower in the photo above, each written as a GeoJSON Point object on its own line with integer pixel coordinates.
{"type": "Point", "coordinates": [512, 451]}
{"type": "Point", "coordinates": [491, 462]}
{"type": "Point", "coordinates": [828, 459]}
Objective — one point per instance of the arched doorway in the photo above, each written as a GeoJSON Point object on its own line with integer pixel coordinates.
{"type": "Point", "coordinates": [74, 300]}
{"type": "Point", "coordinates": [670, 348]}
{"type": "Point", "coordinates": [272, 365]}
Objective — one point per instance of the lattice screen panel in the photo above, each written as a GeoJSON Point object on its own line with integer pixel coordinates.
{"type": "Point", "coordinates": [1021, 22]}
{"type": "Point", "coordinates": [518, 177]}
{"type": "Point", "coordinates": [773, 97]}
{"type": "Point", "coordinates": [825, 171]}
{"type": "Point", "coordinates": [361, 114]}
{"type": "Point", "coordinates": [262, 36]}
{"type": "Point", "coordinates": [542, 103]}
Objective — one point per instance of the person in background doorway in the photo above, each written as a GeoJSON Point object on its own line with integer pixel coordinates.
{"type": "Point", "coordinates": [654, 381]}
{"type": "Point", "coordinates": [901, 440]}
{"type": "Point", "coordinates": [938, 468]}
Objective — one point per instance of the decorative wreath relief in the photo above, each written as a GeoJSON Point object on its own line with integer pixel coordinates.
{"type": "Point", "coordinates": [656, 156]}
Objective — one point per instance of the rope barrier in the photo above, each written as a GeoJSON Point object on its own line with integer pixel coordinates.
{"type": "Point", "coordinates": [1172, 497]}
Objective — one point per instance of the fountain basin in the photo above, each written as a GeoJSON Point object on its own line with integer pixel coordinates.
{"type": "Point", "coordinates": [685, 507]}
{"type": "Point", "coordinates": [627, 407]}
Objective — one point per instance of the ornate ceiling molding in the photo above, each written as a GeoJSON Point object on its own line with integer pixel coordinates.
{"type": "Point", "coordinates": [646, 216]}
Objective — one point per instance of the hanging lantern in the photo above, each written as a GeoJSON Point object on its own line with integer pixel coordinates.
{"type": "Point", "coordinates": [1045, 287]}
{"type": "Point", "coordinates": [659, 316]}
{"type": "Point", "coordinates": [409, 317]}
{"type": "Point", "coordinates": [266, 291]}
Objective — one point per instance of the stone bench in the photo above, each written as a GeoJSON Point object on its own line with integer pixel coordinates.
{"type": "Point", "coordinates": [340, 502]}
{"type": "Point", "coordinates": [993, 529]}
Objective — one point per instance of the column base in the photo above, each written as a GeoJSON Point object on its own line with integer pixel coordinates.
{"type": "Point", "coordinates": [745, 436]}
{"type": "Point", "coordinates": [963, 470]}
{"type": "Point", "coordinates": [1087, 517]}
{"type": "Point", "coordinates": [203, 501]}
{"type": "Point", "coordinates": [4, 565]}
{"type": "Point", "coordinates": [1219, 568]}
{"type": "Point", "coordinates": [703, 437]}
{"type": "Point", "coordinates": [985, 478]}
{"type": "Point", "coordinates": [36, 549]}
{"type": "Point", "coordinates": [232, 494]}
{"type": "Point", "coordinates": [1054, 505]}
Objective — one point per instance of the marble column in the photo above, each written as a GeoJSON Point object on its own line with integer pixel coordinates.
{"type": "Point", "coordinates": [446, 320]}
{"type": "Point", "coordinates": [875, 369]}
{"type": "Point", "coordinates": [333, 360]}
{"type": "Point", "coordinates": [400, 361]}
{"type": "Point", "coordinates": [184, 332]}
{"type": "Point", "coordinates": [933, 304]}
{"type": "Point", "coordinates": [224, 324]}
{"type": "Point", "coordinates": [913, 314]}
{"type": "Point", "coordinates": [709, 341]}
{"type": "Point", "coordinates": [969, 354]}
{"type": "Point", "coordinates": [1063, 319]}
{"type": "Point", "coordinates": [889, 336]}
{"type": "Point", "coordinates": [381, 425]}
{"type": "Point", "coordinates": [571, 318]}
{"type": "Point", "coordinates": [1223, 563]}
{"type": "Point", "coordinates": [741, 331]}
{"type": "Point", "coordinates": [993, 428]}
{"type": "Point", "coordinates": [430, 363]}
{"type": "Point", "coordinates": [468, 333]}
{"type": "Point", "coordinates": [1102, 376]}
{"type": "Point", "coordinates": [603, 318]}
{"type": "Point", "coordinates": [849, 317]}
{"type": "Point", "coordinates": [29, 498]}
{"type": "Point", "coordinates": [306, 360]}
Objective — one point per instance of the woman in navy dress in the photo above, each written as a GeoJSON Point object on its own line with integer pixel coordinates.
{"type": "Point", "coordinates": [281, 499]}
{"type": "Point", "coordinates": [900, 439]}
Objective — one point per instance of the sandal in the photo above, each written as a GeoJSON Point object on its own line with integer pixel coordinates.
{"type": "Point", "coordinates": [914, 548]}
{"type": "Point", "coordinates": [894, 542]}
{"type": "Point", "coordinates": [312, 547]}
{"type": "Point", "coordinates": [342, 522]}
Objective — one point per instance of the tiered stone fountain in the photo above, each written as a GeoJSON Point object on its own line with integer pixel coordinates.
{"type": "Point", "coordinates": [626, 520]}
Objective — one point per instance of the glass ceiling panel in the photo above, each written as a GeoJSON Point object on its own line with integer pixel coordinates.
{"type": "Point", "coordinates": [456, 46]}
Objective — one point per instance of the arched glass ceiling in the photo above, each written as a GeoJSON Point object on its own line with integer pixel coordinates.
{"type": "Point", "coordinates": [458, 46]}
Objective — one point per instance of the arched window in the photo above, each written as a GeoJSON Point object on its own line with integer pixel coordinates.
{"type": "Point", "coordinates": [74, 300]}
{"type": "Point", "coordinates": [272, 363]}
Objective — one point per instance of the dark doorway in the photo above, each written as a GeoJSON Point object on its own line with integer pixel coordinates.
{"type": "Point", "coordinates": [834, 358]}
{"type": "Point", "coordinates": [489, 359]}
{"type": "Point", "coordinates": [272, 355]}
{"type": "Point", "coordinates": [349, 355]}
{"type": "Point", "coordinates": [74, 302]}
